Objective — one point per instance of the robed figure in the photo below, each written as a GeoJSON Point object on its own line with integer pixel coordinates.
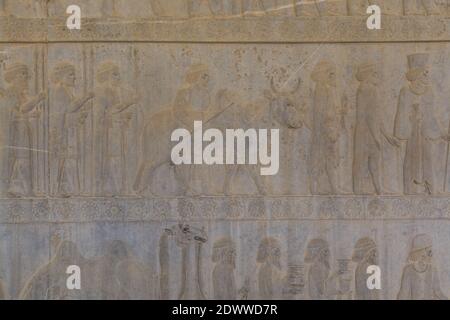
{"type": "Point", "coordinates": [417, 124]}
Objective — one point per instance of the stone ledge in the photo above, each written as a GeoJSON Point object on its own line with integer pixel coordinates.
{"type": "Point", "coordinates": [313, 208]}
{"type": "Point", "coordinates": [247, 30]}
{"type": "Point", "coordinates": [23, 30]}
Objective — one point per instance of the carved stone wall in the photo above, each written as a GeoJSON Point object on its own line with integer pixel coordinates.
{"type": "Point", "coordinates": [85, 171]}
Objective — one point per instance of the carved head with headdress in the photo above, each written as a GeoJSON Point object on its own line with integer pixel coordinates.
{"type": "Point", "coordinates": [367, 72]}
{"type": "Point", "coordinates": [418, 69]}
{"type": "Point", "coordinates": [108, 71]}
{"type": "Point", "coordinates": [365, 249]}
{"type": "Point", "coordinates": [317, 250]}
{"type": "Point", "coordinates": [197, 74]}
{"type": "Point", "coordinates": [421, 249]}
{"type": "Point", "coordinates": [269, 251]}
{"type": "Point", "coordinates": [17, 74]}
{"type": "Point", "coordinates": [224, 251]}
{"type": "Point", "coordinates": [68, 253]}
{"type": "Point", "coordinates": [64, 73]}
{"type": "Point", "coordinates": [324, 72]}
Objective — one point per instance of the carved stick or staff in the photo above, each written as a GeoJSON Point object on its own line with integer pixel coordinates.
{"type": "Point", "coordinates": [82, 148]}
{"type": "Point", "coordinates": [446, 160]}
{"type": "Point", "coordinates": [137, 114]}
{"type": "Point", "coordinates": [45, 121]}
{"type": "Point", "coordinates": [91, 107]}
{"type": "Point", "coordinates": [36, 140]}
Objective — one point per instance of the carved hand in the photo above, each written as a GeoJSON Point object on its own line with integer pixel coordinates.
{"type": "Point", "coordinates": [90, 95]}
{"type": "Point", "coordinates": [393, 141]}
{"type": "Point", "coordinates": [243, 292]}
{"type": "Point", "coordinates": [82, 118]}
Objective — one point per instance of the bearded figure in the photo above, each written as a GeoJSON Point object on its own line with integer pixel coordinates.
{"type": "Point", "coordinates": [224, 257]}
{"type": "Point", "coordinates": [370, 132]}
{"type": "Point", "coordinates": [318, 257]}
{"type": "Point", "coordinates": [270, 277]}
{"type": "Point", "coordinates": [417, 125]}
{"type": "Point", "coordinates": [420, 280]}
{"type": "Point", "coordinates": [365, 254]}
{"type": "Point", "coordinates": [21, 109]}
{"type": "Point", "coordinates": [66, 125]}
{"type": "Point", "coordinates": [326, 130]}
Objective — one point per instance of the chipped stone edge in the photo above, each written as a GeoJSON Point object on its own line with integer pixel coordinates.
{"type": "Point", "coordinates": [239, 30]}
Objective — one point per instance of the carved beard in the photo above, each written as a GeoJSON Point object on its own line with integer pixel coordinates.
{"type": "Point", "coordinates": [21, 87]}
{"type": "Point", "coordinates": [370, 259]}
{"type": "Point", "coordinates": [275, 261]}
{"type": "Point", "coordinates": [324, 261]}
{"type": "Point", "coordinates": [230, 261]}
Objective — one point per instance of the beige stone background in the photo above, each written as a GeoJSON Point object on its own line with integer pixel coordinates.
{"type": "Point", "coordinates": [72, 191]}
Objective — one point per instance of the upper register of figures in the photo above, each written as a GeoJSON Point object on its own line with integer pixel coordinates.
{"type": "Point", "coordinates": [183, 9]}
{"type": "Point", "coordinates": [71, 126]}
{"type": "Point", "coordinates": [89, 133]}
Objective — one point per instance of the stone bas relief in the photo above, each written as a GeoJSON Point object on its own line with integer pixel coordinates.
{"type": "Point", "coordinates": [86, 176]}
{"type": "Point", "coordinates": [116, 275]}
{"type": "Point", "coordinates": [188, 264]}
{"type": "Point", "coordinates": [102, 127]}
{"type": "Point", "coordinates": [183, 9]}
{"type": "Point", "coordinates": [247, 8]}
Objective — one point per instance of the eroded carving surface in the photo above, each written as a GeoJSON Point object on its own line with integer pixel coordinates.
{"type": "Point", "coordinates": [85, 153]}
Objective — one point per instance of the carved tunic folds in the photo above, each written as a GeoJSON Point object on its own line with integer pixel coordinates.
{"type": "Point", "coordinates": [367, 140]}
{"type": "Point", "coordinates": [224, 283]}
{"type": "Point", "coordinates": [420, 285]}
{"type": "Point", "coordinates": [91, 178]}
{"type": "Point", "coordinates": [20, 145]}
{"type": "Point", "coordinates": [112, 128]}
{"type": "Point", "coordinates": [417, 124]}
{"type": "Point", "coordinates": [324, 151]}
{"type": "Point", "coordinates": [67, 125]}
{"type": "Point", "coordinates": [318, 275]}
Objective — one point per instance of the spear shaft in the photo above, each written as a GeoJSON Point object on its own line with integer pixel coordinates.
{"type": "Point", "coordinates": [446, 160]}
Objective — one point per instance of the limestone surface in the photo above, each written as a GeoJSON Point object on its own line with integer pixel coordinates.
{"type": "Point", "coordinates": [87, 179]}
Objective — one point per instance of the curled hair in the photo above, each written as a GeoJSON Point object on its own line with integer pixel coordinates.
{"type": "Point", "coordinates": [319, 72]}
{"type": "Point", "coordinates": [413, 74]}
{"type": "Point", "coordinates": [60, 70]}
{"type": "Point", "coordinates": [194, 73]}
{"type": "Point", "coordinates": [265, 247]}
{"type": "Point", "coordinates": [363, 71]}
{"type": "Point", "coordinates": [105, 70]}
{"type": "Point", "coordinates": [314, 247]}
{"type": "Point", "coordinates": [12, 71]}
{"type": "Point", "coordinates": [362, 248]}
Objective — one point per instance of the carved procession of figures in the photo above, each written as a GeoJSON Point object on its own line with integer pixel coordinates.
{"type": "Point", "coordinates": [88, 132]}
{"type": "Point", "coordinates": [188, 269]}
